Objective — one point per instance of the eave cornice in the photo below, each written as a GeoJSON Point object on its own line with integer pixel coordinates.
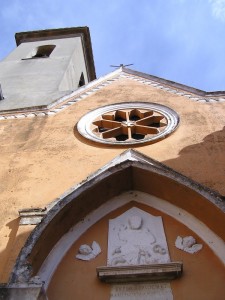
{"type": "Point", "coordinates": [97, 84]}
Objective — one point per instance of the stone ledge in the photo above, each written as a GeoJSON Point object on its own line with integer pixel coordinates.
{"type": "Point", "coordinates": [140, 273]}
{"type": "Point", "coordinates": [31, 216]}
{"type": "Point", "coordinates": [12, 292]}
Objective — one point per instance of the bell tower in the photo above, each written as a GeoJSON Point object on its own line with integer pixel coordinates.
{"type": "Point", "coordinates": [46, 66]}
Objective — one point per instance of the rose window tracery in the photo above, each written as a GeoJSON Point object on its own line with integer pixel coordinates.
{"type": "Point", "coordinates": [128, 123]}
{"type": "Point", "coordinates": [123, 125]}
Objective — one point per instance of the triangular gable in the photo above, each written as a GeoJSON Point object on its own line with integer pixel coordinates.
{"type": "Point", "coordinates": [95, 85]}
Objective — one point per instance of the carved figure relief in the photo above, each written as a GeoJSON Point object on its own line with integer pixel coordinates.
{"type": "Point", "coordinates": [138, 238]}
{"type": "Point", "coordinates": [86, 252]}
{"type": "Point", "coordinates": [188, 244]}
{"type": "Point", "coordinates": [135, 238]}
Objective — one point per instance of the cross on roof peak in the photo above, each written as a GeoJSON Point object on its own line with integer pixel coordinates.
{"type": "Point", "coordinates": [121, 65]}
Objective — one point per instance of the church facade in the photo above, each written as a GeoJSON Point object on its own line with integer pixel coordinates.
{"type": "Point", "coordinates": [111, 188]}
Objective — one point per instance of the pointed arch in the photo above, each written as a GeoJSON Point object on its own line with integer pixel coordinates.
{"type": "Point", "coordinates": [129, 171]}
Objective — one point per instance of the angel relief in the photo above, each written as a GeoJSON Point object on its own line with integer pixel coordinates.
{"type": "Point", "coordinates": [87, 252]}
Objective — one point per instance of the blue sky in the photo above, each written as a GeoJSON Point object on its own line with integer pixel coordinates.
{"type": "Point", "coordinates": [180, 40]}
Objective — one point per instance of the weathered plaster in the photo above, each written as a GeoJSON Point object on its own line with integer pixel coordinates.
{"type": "Point", "coordinates": [41, 158]}
{"type": "Point", "coordinates": [108, 182]}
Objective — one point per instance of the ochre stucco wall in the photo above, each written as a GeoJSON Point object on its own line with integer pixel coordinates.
{"type": "Point", "coordinates": [43, 157]}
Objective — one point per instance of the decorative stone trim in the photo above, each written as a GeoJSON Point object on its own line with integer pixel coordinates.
{"type": "Point", "coordinates": [100, 83]}
{"type": "Point", "coordinates": [167, 88]}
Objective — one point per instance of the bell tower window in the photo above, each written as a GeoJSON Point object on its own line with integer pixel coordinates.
{"type": "Point", "coordinates": [41, 52]}
{"type": "Point", "coordinates": [82, 80]}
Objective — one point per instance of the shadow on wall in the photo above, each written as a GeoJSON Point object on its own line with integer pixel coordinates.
{"type": "Point", "coordinates": [10, 253]}
{"type": "Point", "coordinates": [204, 162]}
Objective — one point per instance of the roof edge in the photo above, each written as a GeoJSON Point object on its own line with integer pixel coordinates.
{"type": "Point", "coordinates": [174, 84]}
{"type": "Point", "coordinates": [81, 93]}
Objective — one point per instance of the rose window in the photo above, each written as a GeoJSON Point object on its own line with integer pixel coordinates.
{"type": "Point", "coordinates": [128, 123]}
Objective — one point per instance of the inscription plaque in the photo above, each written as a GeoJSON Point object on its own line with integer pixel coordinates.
{"type": "Point", "coordinates": [141, 291]}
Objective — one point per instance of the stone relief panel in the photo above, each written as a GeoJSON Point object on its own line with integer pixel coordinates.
{"type": "Point", "coordinates": [136, 238]}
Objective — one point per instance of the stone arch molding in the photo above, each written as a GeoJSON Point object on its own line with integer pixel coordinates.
{"type": "Point", "coordinates": [171, 192]}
